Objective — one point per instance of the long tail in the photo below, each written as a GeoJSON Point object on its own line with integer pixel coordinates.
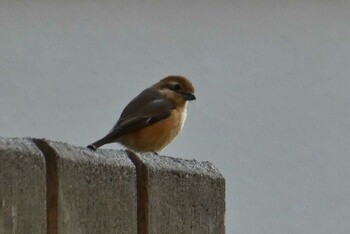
{"type": "Point", "coordinates": [99, 143]}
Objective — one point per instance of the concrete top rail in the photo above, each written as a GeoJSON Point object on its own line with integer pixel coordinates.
{"type": "Point", "coordinates": [53, 187]}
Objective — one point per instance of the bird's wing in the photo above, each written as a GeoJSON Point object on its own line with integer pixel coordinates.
{"type": "Point", "coordinates": [146, 109]}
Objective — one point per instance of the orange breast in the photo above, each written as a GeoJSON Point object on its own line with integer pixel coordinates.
{"type": "Point", "coordinates": [157, 136]}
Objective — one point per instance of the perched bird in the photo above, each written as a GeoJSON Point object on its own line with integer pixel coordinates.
{"type": "Point", "coordinates": [153, 118]}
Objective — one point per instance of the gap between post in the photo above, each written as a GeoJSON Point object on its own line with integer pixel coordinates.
{"type": "Point", "coordinates": [51, 184]}
{"type": "Point", "coordinates": [142, 193]}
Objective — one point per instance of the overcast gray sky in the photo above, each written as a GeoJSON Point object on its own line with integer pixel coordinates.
{"type": "Point", "coordinates": [272, 85]}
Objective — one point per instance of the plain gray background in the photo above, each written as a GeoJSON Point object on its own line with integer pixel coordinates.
{"type": "Point", "coordinates": [272, 85]}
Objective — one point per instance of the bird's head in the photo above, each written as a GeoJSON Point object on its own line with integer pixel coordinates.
{"type": "Point", "coordinates": [177, 88]}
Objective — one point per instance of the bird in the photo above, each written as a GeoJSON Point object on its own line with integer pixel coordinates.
{"type": "Point", "coordinates": [153, 119]}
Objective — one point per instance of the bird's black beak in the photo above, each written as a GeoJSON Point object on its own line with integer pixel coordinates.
{"type": "Point", "coordinates": [189, 96]}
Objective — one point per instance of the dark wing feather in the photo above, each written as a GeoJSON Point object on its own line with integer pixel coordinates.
{"type": "Point", "coordinates": [147, 108]}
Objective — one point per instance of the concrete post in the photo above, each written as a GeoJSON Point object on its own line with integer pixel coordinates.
{"type": "Point", "coordinates": [94, 192]}
{"type": "Point", "coordinates": [56, 188]}
{"type": "Point", "coordinates": [179, 196]}
{"type": "Point", "coordinates": [22, 187]}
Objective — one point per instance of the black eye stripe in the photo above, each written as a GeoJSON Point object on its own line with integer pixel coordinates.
{"type": "Point", "coordinates": [176, 87]}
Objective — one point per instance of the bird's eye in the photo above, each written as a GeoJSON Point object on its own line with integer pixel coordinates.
{"type": "Point", "coordinates": [176, 87]}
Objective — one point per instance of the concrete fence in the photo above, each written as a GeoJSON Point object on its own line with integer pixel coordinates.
{"type": "Point", "coordinates": [56, 188]}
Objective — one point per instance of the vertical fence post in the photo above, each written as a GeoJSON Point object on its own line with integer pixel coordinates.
{"type": "Point", "coordinates": [56, 188]}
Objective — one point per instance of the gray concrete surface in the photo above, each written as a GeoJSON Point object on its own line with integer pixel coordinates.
{"type": "Point", "coordinates": [53, 187]}
{"type": "Point", "coordinates": [96, 191]}
{"type": "Point", "coordinates": [22, 187]}
{"type": "Point", "coordinates": [185, 196]}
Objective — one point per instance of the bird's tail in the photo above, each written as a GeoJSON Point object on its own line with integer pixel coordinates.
{"type": "Point", "coordinates": [99, 143]}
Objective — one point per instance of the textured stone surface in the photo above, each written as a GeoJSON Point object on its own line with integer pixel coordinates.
{"type": "Point", "coordinates": [56, 188]}
{"type": "Point", "coordinates": [185, 196]}
{"type": "Point", "coordinates": [22, 187]}
{"type": "Point", "coordinates": [96, 191]}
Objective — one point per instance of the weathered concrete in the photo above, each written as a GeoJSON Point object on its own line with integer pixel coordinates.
{"type": "Point", "coordinates": [22, 187]}
{"type": "Point", "coordinates": [95, 193]}
{"type": "Point", "coordinates": [184, 196]}
{"type": "Point", "coordinates": [55, 188]}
